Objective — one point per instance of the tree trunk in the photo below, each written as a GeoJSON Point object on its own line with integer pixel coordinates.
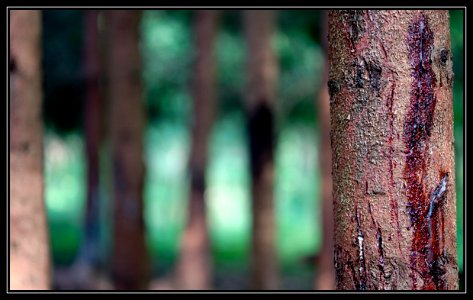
{"type": "Point", "coordinates": [89, 254]}
{"type": "Point", "coordinates": [194, 269]}
{"type": "Point", "coordinates": [392, 144]}
{"type": "Point", "coordinates": [130, 267]}
{"type": "Point", "coordinates": [29, 238]}
{"type": "Point", "coordinates": [325, 279]}
{"type": "Point", "coordinates": [261, 96]}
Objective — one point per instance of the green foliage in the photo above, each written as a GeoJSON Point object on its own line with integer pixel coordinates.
{"type": "Point", "coordinates": [298, 82]}
{"type": "Point", "coordinates": [62, 69]}
{"type": "Point", "coordinates": [456, 34]}
{"type": "Point", "coordinates": [166, 49]}
{"type": "Point", "coordinates": [230, 54]}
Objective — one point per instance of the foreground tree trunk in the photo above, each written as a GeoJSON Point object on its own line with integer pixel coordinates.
{"type": "Point", "coordinates": [392, 139]}
{"type": "Point", "coordinates": [194, 269]}
{"type": "Point", "coordinates": [130, 266]}
{"type": "Point", "coordinates": [29, 239]}
{"type": "Point", "coordinates": [261, 95]}
{"type": "Point", "coordinates": [325, 279]}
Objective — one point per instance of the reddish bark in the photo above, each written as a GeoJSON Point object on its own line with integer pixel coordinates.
{"type": "Point", "coordinates": [92, 137]}
{"type": "Point", "coordinates": [29, 238]}
{"type": "Point", "coordinates": [393, 160]}
{"type": "Point", "coordinates": [130, 265]}
{"type": "Point", "coordinates": [83, 270]}
{"type": "Point", "coordinates": [261, 95]}
{"type": "Point", "coordinates": [194, 269]}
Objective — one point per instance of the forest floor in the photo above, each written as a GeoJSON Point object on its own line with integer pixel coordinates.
{"type": "Point", "coordinates": [81, 278]}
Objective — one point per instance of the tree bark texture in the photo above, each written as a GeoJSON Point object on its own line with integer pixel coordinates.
{"type": "Point", "coordinates": [130, 265]}
{"type": "Point", "coordinates": [29, 237]}
{"type": "Point", "coordinates": [92, 122]}
{"type": "Point", "coordinates": [261, 97]}
{"type": "Point", "coordinates": [390, 86]}
{"type": "Point", "coordinates": [195, 265]}
{"type": "Point", "coordinates": [325, 279]}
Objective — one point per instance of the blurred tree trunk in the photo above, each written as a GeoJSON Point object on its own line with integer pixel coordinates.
{"type": "Point", "coordinates": [89, 253]}
{"type": "Point", "coordinates": [130, 265]}
{"type": "Point", "coordinates": [325, 279]}
{"type": "Point", "coordinates": [29, 238]}
{"type": "Point", "coordinates": [393, 159]}
{"type": "Point", "coordinates": [194, 270]}
{"type": "Point", "coordinates": [261, 96]}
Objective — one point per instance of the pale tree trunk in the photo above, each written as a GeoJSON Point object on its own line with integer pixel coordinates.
{"type": "Point", "coordinates": [390, 87]}
{"type": "Point", "coordinates": [130, 265]}
{"type": "Point", "coordinates": [194, 270]}
{"type": "Point", "coordinates": [325, 279]}
{"type": "Point", "coordinates": [260, 99]}
{"type": "Point", "coordinates": [29, 238]}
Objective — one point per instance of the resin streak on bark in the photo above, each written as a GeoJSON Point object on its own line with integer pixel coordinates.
{"type": "Point", "coordinates": [426, 256]}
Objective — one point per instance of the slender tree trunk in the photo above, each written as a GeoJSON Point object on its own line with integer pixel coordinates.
{"type": "Point", "coordinates": [261, 96]}
{"type": "Point", "coordinates": [90, 246]}
{"type": "Point", "coordinates": [29, 238]}
{"type": "Point", "coordinates": [325, 279]}
{"type": "Point", "coordinates": [195, 265]}
{"type": "Point", "coordinates": [130, 267]}
{"type": "Point", "coordinates": [392, 141]}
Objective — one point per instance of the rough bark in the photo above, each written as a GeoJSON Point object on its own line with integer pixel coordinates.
{"type": "Point", "coordinates": [29, 238]}
{"type": "Point", "coordinates": [130, 265]}
{"type": "Point", "coordinates": [325, 279]}
{"type": "Point", "coordinates": [390, 86]}
{"type": "Point", "coordinates": [194, 269]}
{"type": "Point", "coordinates": [260, 99]}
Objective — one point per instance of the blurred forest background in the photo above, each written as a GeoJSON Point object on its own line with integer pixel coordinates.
{"type": "Point", "coordinates": [167, 49]}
